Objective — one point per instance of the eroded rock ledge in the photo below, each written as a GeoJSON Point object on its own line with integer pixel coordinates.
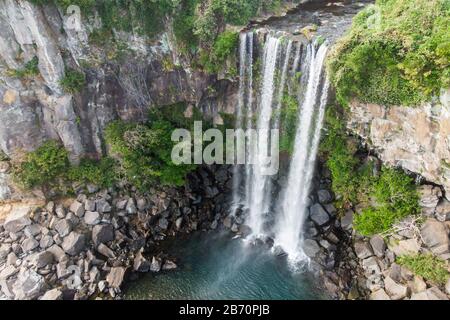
{"type": "Point", "coordinates": [417, 139]}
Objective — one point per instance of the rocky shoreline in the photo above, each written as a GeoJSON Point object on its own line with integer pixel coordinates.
{"type": "Point", "coordinates": [87, 247]}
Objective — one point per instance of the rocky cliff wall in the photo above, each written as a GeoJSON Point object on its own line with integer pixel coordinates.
{"type": "Point", "coordinates": [34, 109]}
{"type": "Point", "coordinates": [417, 139]}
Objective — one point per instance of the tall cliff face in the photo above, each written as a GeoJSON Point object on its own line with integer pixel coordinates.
{"type": "Point", "coordinates": [34, 109]}
{"type": "Point", "coordinates": [417, 139]}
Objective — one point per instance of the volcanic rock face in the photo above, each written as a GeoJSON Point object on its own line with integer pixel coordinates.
{"type": "Point", "coordinates": [38, 109]}
{"type": "Point", "coordinates": [417, 139]}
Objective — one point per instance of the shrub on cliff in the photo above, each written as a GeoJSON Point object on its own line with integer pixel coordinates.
{"type": "Point", "coordinates": [225, 46]}
{"type": "Point", "coordinates": [73, 81]}
{"type": "Point", "coordinates": [43, 165]}
{"type": "Point", "coordinates": [396, 53]}
{"type": "Point", "coordinates": [144, 152]}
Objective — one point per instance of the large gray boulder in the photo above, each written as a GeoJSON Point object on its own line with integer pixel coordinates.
{"type": "Point", "coordinates": [435, 236]}
{"type": "Point", "coordinates": [396, 291]}
{"type": "Point", "coordinates": [363, 250]}
{"type": "Point", "coordinates": [17, 219]}
{"type": "Point", "coordinates": [41, 259]}
{"type": "Point", "coordinates": [77, 208]}
{"type": "Point", "coordinates": [63, 227]}
{"type": "Point", "coordinates": [74, 243]}
{"type": "Point", "coordinates": [378, 245]}
{"type": "Point", "coordinates": [28, 285]}
{"type": "Point", "coordinates": [311, 248]}
{"type": "Point", "coordinates": [318, 214]}
{"type": "Point", "coordinates": [92, 218]}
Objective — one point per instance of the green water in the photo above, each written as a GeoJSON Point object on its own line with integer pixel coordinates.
{"type": "Point", "coordinates": [215, 266]}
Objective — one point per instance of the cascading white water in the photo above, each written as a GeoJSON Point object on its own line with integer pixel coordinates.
{"type": "Point", "coordinates": [243, 60]}
{"type": "Point", "coordinates": [294, 198]}
{"type": "Point", "coordinates": [276, 120]}
{"type": "Point", "coordinates": [257, 199]}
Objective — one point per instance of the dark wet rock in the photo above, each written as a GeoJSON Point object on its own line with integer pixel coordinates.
{"type": "Point", "coordinates": [102, 233]}
{"type": "Point", "coordinates": [319, 215]}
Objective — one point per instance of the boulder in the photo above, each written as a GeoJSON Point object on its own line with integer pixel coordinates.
{"type": "Point", "coordinates": [428, 198]}
{"type": "Point", "coordinates": [378, 245]}
{"type": "Point", "coordinates": [379, 295]}
{"type": "Point", "coordinates": [420, 296]}
{"type": "Point", "coordinates": [77, 208]}
{"type": "Point", "coordinates": [17, 219]}
{"type": "Point", "coordinates": [131, 206]}
{"type": "Point", "coordinates": [396, 291]}
{"type": "Point", "coordinates": [140, 264]}
{"type": "Point", "coordinates": [435, 294]}
{"type": "Point", "coordinates": [163, 223]}
{"type": "Point", "coordinates": [106, 251]}
{"type": "Point", "coordinates": [311, 248]}
{"type": "Point", "coordinates": [435, 236]}
{"type": "Point", "coordinates": [443, 211]}
{"type": "Point", "coordinates": [28, 285]}
{"type": "Point", "coordinates": [63, 227]}
{"type": "Point", "coordinates": [54, 294]}
{"type": "Point", "coordinates": [102, 233]}
{"type": "Point", "coordinates": [103, 206]}
{"type": "Point", "coordinates": [318, 214]}
{"type": "Point", "coordinates": [45, 242]}
{"type": "Point", "coordinates": [155, 265]}
{"type": "Point", "coordinates": [5, 248]}
{"type": "Point", "coordinates": [74, 243]}
{"type": "Point", "coordinates": [115, 277]}
{"type": "Point", "coordinates": [58, 252]}
{"type": "Point", "coordinates": [60, 212]}
{"type": "Point", "coordinates": [178, 223]}
{"type": "Point", "coordinates": [324, 196]}
{"type": "Point", "coordinates": [347, 220]}
{"type": "Point", "coordinates": [32, 230]}
{"type": "Point", "coordinates": [29, 244]}
{"type": "Point", "coordinates": [169, 265]}
{"type": "Point", "coordinates": [363, 250]}
{"type": "Point", "coordinates": [92, 218]}
{"type": "Point", "coordinates": [8, 272]}
{"type": "Point", "coordinates": [41, 259]}
{"type": "Point", "coordinates": [404, 247]}
{"type": "Point", "coordinates": [417, 285]}
{"type": "Point", "coordinates": [89, 205]}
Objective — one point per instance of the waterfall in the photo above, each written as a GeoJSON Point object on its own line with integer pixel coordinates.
{"type": "Point", "coordinates": [281, 61]}
{"type": "Point", "coordinates": [294, 198]}
{"type": "Point", "coordinates": [243, 60]}
{"type": "Point", "coordinates": [258, 201]}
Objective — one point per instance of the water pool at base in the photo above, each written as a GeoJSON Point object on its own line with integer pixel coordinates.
{"type": "Point", "coordinates": [215, 266]}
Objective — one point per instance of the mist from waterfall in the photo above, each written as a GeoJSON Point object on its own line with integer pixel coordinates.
{"type": "Point", "coordinates": [283, 60]}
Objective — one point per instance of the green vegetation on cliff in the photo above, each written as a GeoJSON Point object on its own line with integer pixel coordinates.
{"type": "Point", "coordinates": [427, 266]}
{"type": "Point", "coordinates": [144, 150]}
{"type": "Point", "coordinates": [48, 166]}
{"type": "Point", "coordinates": [385, 196]}
{"type": "Point", "coordinates": [42, 166]}
{"type": "Point", "coordinates": [396, 53]}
